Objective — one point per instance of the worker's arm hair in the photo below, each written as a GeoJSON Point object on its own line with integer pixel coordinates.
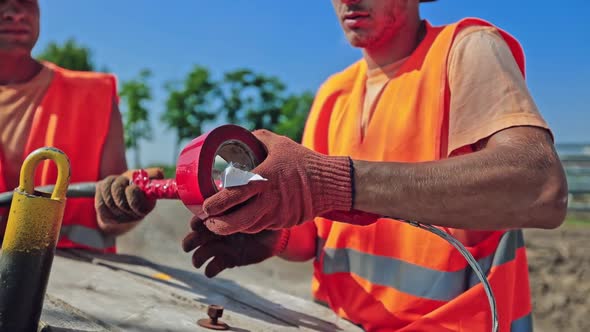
{"type": "Point", "coordinates": [113, 162]}
{"type": "Point", "coordinates": [514, 180]}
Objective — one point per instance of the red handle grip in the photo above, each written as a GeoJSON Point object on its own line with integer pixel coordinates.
{"type": "Point", "coordinates": [155, 188]}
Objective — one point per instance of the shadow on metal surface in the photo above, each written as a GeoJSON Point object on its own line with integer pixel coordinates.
{"type": "Point", "coordinates": [254, 306]}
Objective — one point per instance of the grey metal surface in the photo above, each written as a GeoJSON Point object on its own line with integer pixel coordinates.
{"type": "Point", "coordinates": [60, 316]}
{"type": "Point", "coordinates": [129, 293]}
{"type": "Point", "coordinates": [158, 238]}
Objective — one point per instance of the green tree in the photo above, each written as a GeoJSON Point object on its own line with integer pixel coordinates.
{"type": "Point", "coordinates": [134, 94]}
{"type": "Point", "coordinates": [294, 114]}
{"type": "Point", "coordinates": [251, 99]}
{"type": "Point", "coordinates": [190, 105]}
{"type": "Point", "coordinates": [70, 55]}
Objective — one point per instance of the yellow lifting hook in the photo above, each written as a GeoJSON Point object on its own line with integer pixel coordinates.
{"type": "Point", "coordinates": [28, 248]}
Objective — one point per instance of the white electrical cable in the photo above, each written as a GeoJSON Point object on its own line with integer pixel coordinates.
{"type": "Point", "coordinates": [472, 262]}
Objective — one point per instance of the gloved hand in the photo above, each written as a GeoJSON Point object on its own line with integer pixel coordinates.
{"type": "Point", "coordinates": [119, 201]}
{"type": "Point", "coordinates": [232, 250]}
{"type": "Point", "coordinates": [301, 184]}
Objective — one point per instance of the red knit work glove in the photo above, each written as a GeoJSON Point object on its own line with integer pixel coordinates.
{"type": "Point", "coordinates": [301, 184]}
{"type": "Point", "coordinates": [118, 201]}
{"type": "Point", "coordinates": [232, 250]}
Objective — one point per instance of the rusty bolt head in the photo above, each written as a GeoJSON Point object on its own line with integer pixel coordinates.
{"type": "Point", "coordinates": [214, 312]}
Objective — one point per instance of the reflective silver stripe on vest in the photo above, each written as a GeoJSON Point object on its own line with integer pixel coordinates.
{"type": "Point", "coordinates": [413, 279]}
{"type": "Point", "coordinates": [87, 236]}
{"type": "Point", "coordinates": [320, 243]}
{"type": "Point", "coordinates": [523, 324]}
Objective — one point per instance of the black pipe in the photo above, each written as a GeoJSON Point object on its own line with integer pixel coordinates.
{"type": "Point", "coordinates": [81, 189]}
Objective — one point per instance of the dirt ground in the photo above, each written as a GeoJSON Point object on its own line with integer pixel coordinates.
{"type": "Point", "coordinates": [559, 266]}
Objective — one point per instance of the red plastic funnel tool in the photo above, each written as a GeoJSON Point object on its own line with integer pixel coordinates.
{"type": "Point", "coordinates": [201, 163]}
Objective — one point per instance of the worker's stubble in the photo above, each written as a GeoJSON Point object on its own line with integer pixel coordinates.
{"type": "Point", "coordinates": [386, 20]}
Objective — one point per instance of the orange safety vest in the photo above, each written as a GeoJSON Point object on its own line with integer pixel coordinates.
{"type": "Point", "coordinates": [391, 276]}
{"type": "Point", "coordinates": [74, 116]}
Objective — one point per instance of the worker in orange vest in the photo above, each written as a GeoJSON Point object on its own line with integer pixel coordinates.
{"type": "Point", "coordinates": [434, 124]}
{"type": "Point", "coordinates": [42, 104]}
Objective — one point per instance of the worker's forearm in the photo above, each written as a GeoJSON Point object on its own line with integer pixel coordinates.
{"type": "Point", "coordinates": [302, 243]}
{"type": "Point", "coordinates": [494, 188]}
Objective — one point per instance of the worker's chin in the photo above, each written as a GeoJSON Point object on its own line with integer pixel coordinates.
{"type": "Point", "coordinates": [16, 48]}
{"type": "Point", "coordinates": [359, 39]}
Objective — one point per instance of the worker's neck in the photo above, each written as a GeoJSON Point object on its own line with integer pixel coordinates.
{"type": "Point", "coordinates": [17, 69]}
{"type": "Point", "coordinates": [401, 46]}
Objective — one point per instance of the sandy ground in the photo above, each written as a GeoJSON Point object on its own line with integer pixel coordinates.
{"type": "Point", "coordinates": [559, 266]}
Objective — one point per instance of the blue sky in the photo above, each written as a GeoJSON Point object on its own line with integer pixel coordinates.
{"type": "Point", "coordinates": [301, 43]}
